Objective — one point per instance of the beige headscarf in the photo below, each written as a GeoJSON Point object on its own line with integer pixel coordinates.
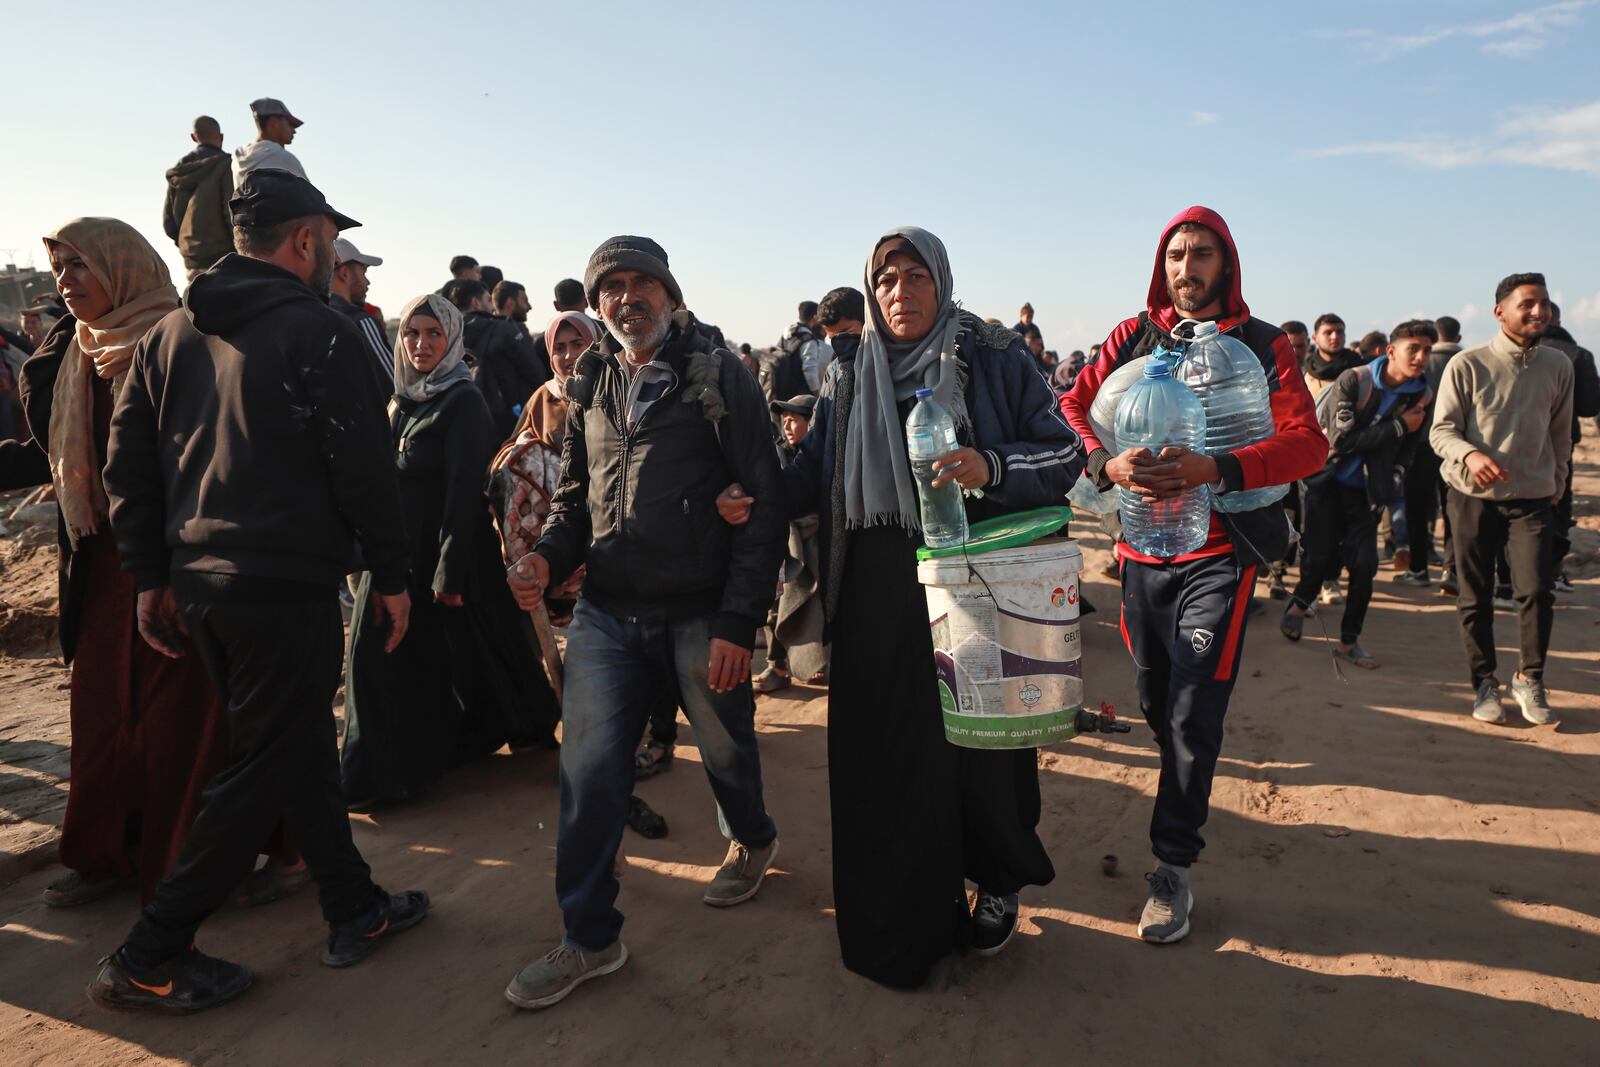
{"type": "Point", "coordinates": [450, 369]}
{"type": "Point", "coordinates": [141, 291]}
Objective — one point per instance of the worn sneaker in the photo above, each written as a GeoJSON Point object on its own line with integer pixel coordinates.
{"type": "Point", "coordinates": [994, 921]}
{"type": "Point", "coordinates": [350, 943]}
{"type": "Point", "coordinates": [1330, 594]}
{"type": "Point", "coordinates": [741, 875]}
{"type": "Point", "coordinates": [1530, 697]}
{"type": "Point", "coordinates": [1487, 707]}
{"type": "Point", "coordinates": [73, 889]}
{"type": "Point", "coordinates": [1503, 599]}
{"type": "Point", "coordinates": [1563, 584]}
{"type": "Point", "coordinates": [189, 983]}
{"type": "Point", "coordinates": [771, 680]}
{"type": "Point", "coordinates": [549, 979]}
{"type": "Point", "coordinates": [1419, 579]}
{"type": "Point", "coordinates": [1448, 586]}
{"type": "Point", "coordinates": [1166, 913]}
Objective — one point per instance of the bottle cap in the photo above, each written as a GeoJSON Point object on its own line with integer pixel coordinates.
{"type": "Point", "coordinates": [1157, 368]}
{"type": "Point", "coordinates": [924, 394]}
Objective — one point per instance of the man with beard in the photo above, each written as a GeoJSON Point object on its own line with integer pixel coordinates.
{"type": "Point", "coordinates": [1184, 618]}
{"type": "Point", "coordinates": [1329, 357]}
{"type": "Point", "coordinates": [249, 456]}
{"type": "Point", "coordinates": [347, 294]}
{"type": "Point", "coordinates": [1503, 432]}
{"type": "Point", "coordinates": [505, 372]}
{"type": "Point", "coordinates": [659, 423]}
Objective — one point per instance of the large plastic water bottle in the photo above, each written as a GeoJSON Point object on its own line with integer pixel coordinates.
{"type": "Point", "coordinates": [931, 433]}
{"type": "Point", "coordinates": [1156, 412]}
{"type": "Point", "coordinates": [1232, 387]}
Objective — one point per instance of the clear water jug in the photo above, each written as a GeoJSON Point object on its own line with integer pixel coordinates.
{"type": "Point", "coordinates": [1157, 412]}
{"type": "Point", "coordinates": [1227, 377]}
{"type": "Point", "coordinates": [931, 433]}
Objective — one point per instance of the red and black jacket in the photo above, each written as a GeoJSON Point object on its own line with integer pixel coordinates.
{"type": "Point", "coordinates": [1297, 448]}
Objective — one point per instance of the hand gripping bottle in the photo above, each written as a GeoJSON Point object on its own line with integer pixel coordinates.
{"type": "Point", "coordinates": [1157, 412]}
{"type": "Point", "coordinates": [931, 433]}
{"type": "Point", "coordinates": [1227, 377]}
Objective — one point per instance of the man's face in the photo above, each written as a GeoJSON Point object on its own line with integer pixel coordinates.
{"type": "Point", "coordinates": [794, 428]}
{"type": "Point", "coordinates": [520, 306]}
{"type": "Point", "coordinates": [356, 281]}
{"type": "Point", "coordinates": [279, 129]}
{"type": "Point", "coordinates": [907, 297]}
{"type": "Point", "coordinates": [842, 326]}
{"type": "Point", "coordinates": [33, 327]}
{"type": "Point", "coordinates": [1524, 314]}
{"type": "Point", "coordinates": [1036, 344]}
{"type": "Point", "coordinates": [1300, 344]}
{"type": "Point", "coordinates": [1330, 339]}
{"type": "Point", "coordinates": [86, 298]}
{"type": "Point", "coordinates": [637, 309]}
{"type": "Point", "coordinates": [1197, 272]}
{"type": "Point", "coordinates": [1408, 357]}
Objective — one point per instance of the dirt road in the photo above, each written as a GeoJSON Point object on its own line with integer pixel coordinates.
{"type": "Point", "coordinates": [1386, 880]}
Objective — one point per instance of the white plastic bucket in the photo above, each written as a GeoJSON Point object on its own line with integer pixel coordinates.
{"type": "Point", "coordinates": [1006, 643]}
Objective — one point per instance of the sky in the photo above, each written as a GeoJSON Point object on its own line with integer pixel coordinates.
{"type": "Point", "coordinates": [1380, 160]}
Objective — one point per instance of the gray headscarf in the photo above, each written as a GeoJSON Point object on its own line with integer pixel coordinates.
{"type": "Point", "coordinates": [448, 371]}
{"type": "Point", "coordinates": [877, 478]}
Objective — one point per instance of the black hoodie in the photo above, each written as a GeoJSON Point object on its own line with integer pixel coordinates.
{"type": "Point", "coordinates": [250, 439]}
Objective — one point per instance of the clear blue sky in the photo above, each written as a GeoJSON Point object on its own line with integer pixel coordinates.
{"type": "Point", "coordinates": [1376, 159]}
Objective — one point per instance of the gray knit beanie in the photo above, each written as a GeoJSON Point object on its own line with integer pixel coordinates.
{"type": "Point", "coordinates": [628, 253]}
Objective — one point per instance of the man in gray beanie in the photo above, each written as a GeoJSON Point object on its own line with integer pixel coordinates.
{"type": "Point", "coordinates": [661, 421]}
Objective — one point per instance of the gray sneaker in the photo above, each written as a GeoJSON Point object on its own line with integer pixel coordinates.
{"type": "Point", "coordinates": [741, 874]}
{"type": "Point", "coordinates": [1487, 707]}
{"type": "Point", "coordinates": [1166, 913]}
{"type": "Point", "coordinates": [1529, 695]}
{"type": "Point", "coordinates": [548, 980]}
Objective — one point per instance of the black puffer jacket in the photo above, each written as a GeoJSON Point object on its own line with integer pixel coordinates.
{"type": "Point", "coordinates": [504, 366]}
{"type": "Point", "coordinates": [638, 504]}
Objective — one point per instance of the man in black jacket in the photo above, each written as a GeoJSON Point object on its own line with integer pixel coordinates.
{"type": "Point", "coordinates": [1585, 403]}
{"type": "Point", "coordinates": [505, 372]}
{"type": "Point", "coordinates": [659, 423]}
{"type": "Point", "coordinates": [1373, 422]}
{"type": "Point", "coordinates": [347, 294]}
{"type": "Point", "coordinates": [249, 456]}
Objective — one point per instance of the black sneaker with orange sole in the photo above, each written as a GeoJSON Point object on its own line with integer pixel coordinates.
{"type": "Point", "coordinates": [182, 986]}
{"type": "Point", "coordinates": [350, 943]}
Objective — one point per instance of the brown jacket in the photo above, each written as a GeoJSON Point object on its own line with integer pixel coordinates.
{"type": "Point", "coordinates": [195, 214]}
{"type": "Point", "coordinates": [1515, 406]}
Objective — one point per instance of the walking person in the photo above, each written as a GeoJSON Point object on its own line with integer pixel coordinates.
{"type": "Point", "coordinates": [1184, 617]}
{"type": "Point", "coordinates": [659, 422]}
{"type": "Point", "coordinates": [1585, 404]}
{"type": "Point", "coordinates": [915, 817]}
{"type": "Point", "coordinates": [1374, 428]}
{"type": "Point", "coordinates": [1503, 432]}
{"type": "Point", "coordinates": [199, 186]}
{"type": "Point", "coordinates": [468, 677]}
{"type": "Point", "coordinates": [1424, 489]}
{"type": "Point", "coordinates": [247, 460]}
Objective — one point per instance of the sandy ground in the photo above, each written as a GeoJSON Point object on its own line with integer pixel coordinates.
{"type": "Point", "coordinates": [1386, 880]}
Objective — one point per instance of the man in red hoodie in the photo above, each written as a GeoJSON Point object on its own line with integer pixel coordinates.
{"type": "Point", "coordinates": [1183, 618]}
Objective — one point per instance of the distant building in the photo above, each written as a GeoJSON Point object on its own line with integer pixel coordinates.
{"type": "Point", "coordinates": [21, 286]}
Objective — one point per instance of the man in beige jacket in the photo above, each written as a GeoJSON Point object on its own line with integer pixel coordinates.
{"type": "Point", "coordinates": [1502, 429]}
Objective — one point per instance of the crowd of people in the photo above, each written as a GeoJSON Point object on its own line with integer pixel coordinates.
{"type": "Point", "coordinates": [233, 460]}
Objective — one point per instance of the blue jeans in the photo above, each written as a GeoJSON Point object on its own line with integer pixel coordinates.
{"type": "Point", "coordinates": [616, 670]}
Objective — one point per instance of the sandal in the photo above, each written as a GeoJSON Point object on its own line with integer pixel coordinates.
{"type": "Point", "coordinates": [1357, 655]}
{"type": "Point", "coordinates": [652, 758]}
{"type": "Point", "coordinates": [1291, 625]}
{"type": "Point", "coordinates": [644, 820]}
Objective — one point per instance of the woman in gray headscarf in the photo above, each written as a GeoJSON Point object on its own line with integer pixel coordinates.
{"type": "Point", "coordinates": [915, 817]}
{"type": "Point", "coordinates": [466, 678]}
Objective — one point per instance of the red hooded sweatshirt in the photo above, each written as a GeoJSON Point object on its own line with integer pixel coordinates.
{"type": "Point", "coordinates": [1296, 450]}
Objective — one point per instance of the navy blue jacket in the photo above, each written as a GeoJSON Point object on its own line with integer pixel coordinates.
{"type": "Point", "coordinates": [1034, 456]}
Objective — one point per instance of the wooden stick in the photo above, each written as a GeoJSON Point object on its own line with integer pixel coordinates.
{"type": "Point", "coordinates": [547, 645]}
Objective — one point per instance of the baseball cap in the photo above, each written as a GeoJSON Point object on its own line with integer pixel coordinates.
{"type": "Point", "coordinates": [268, 106]}
{"type": "Point", "coordinates": [804, 405]}
{"type": "Point", "coordinates": [346, 252]}
{"type": "Point", "coordinates": [269, 196]}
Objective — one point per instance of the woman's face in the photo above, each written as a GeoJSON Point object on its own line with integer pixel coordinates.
{"type": "Point", "coordinates": [424, 342]}
{"type": "Point", "coordinates": [86, 298]}
{"type": "Point", "coordinates": [568, 347]}
{"type": "Point", "coordinates": [907, 296]}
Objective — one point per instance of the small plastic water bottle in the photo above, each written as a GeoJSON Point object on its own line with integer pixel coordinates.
{"type": "Point", "coordinates": [1157, 412]}
{"type": "Point", "coordinates": [931, 433]}
{"type": "Point", "coordinates": [1227, 377]}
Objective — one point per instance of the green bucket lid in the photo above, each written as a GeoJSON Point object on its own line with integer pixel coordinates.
{"type": "Point", "coordinates": [1005, 531]}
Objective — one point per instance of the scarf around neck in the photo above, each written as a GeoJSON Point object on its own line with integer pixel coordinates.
{"type": "Point", "coordinates": [449, 371]}
{"type": "Point", "coordinates": [879, 488]}
{"type": "Point", "coordinates": [136, 279]}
